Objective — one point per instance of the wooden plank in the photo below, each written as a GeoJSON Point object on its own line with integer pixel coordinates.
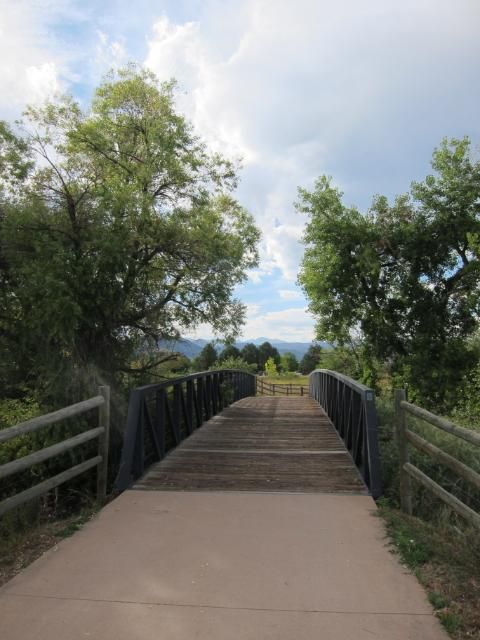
{"type": "Point", "coordinates": [47, 485]}
{"type": "Point", "coordinates": [50, 418]}
{"type": "Point", "coordinates": [261, 444]}
{"type": "Point", "coordinates": [190, 470]}
{"type": "Point", "coordinates": [103, 443]}
{"type": "Point", "coordinates": [403, 455]}
{"type": "Point", "coordinates": [49, 452]}
{"type": "Point", "coordinates": [454, 503]}
{"type": "Point", "coordinates": [440, 456]}
{"type": "Point", "coordinates": [466, 434]}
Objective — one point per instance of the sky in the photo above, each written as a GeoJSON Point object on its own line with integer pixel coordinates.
{"type": "Point", "coordinates": [361, 91]}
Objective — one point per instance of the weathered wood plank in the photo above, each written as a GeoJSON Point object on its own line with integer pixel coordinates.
{"type": "Point", "coordinates": [50, 418]}
{"type": "Point", "coordinates": [260, 444]}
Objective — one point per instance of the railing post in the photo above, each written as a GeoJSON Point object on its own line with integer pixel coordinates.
{"type": "Point", "coordinates": [103, 443]}
{"type": "Point", "coordinates": [403, 456]}
{"type": "Point", "coordinates": [161, 419]}
{"type": "Point", "coordinates": [176, 413]}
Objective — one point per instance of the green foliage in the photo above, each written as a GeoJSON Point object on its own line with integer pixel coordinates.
{"type": "Point", "coordinates": [123, 232]}
{"type": "Point", "coordinates": [266, 351]}
{"type": "Point", "coordinates": [310, 360]}
{"type": "Point", "coordinates": [446, 562]}
{"type": "Point", "coordinates": [451, 621]}
{"type": "Point", "coordinates": [424, 502]}
{"type": "Point", "coordinates": [235, 363]}
{"type": "Point", "coordinates": [205, 360]}
{"type": "Point", "coordinates": [15, 410]}
{"type": "Point", "coordinates": [404, 276]}
{"type": "Point", "coordinates": [437, 600]}
{"type": "Point", "coordinates": [271, 368]}
{"type": "Point", "coordinates": [288, 362]}
{"type": "Point", "coordinates": [250, 354]}
{"type": "Point", "coordinates": [414, 552]}
{"type": "Point", "coordinates": [353, 361]}
{"type": "Point", "coordinates": [230, 352]}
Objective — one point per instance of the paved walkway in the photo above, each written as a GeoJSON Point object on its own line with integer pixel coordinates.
{"type": "Point", "coordinates": [221, 565]}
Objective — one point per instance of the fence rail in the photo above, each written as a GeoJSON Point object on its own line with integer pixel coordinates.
{"type": "Point", "coordinates": [409, 471]}
{"type": "Point", "coordinates": [350, 406]}
{"type": "Point", "coordinates": [161, 415]}
{"type": "Point", "coordinates": [102, 402]}
{"type": "Point", "coordinates": [273, 389]}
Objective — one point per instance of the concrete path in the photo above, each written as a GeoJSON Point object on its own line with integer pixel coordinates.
{"type": "Point", "coordinates": [162, 565]}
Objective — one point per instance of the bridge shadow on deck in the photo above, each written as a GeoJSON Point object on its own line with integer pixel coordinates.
{"type": "Point", "coordinates": [278, 444]}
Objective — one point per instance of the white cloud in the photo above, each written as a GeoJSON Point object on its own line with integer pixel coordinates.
{"type": "Point", "coordinates": [290, 294]}
{"type": "Point", "coordinates": [289, 324]}
{"type": "Point", "coordinates": [110, 53]}
{"type": "Point", "coordinates": [296, 88]}
{"type": "Point", "coordinates": [30, 69]}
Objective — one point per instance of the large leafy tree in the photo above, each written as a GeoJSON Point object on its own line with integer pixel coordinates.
{"type": "Point", "coordinates": [404, 277]}
{"type": "Point", "coordinates": [118, 228]}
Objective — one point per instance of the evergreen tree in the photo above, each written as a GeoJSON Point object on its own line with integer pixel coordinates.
{"type": "Point", "coordinates": [310, 360]}
{"type": "Point", "coordinates": [206, 358]}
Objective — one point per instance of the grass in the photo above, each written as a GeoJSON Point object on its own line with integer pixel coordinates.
{"type": "Point", "coordinates": [446, 560]}
{"type": "Point", "coordinates": [288, 378]}
{"type": "Point", "coordinates": [20, 550]}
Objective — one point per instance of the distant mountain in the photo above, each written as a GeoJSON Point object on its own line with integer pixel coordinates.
{"type": "Point", "coordinates": [189, 348]}
{"type": "Point", "coordinates": [192, 348]}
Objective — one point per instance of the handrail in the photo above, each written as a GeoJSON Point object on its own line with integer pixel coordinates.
{"type": "Point", "coordinates": [409, 471]}
{"type": "Point", "coordinates": [350, 405]}
{"type": "Point", "coordinates": [102, 401]}
{"type": "Point", "coordinates": [161, 415]}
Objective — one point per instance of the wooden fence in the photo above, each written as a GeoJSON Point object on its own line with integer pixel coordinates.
{"type": "Point", "coordinates": [408, 471]}
{"type": "Point", "coordinates": [274, 389]}
{"type": "Point", "coordinates": [102, 401]}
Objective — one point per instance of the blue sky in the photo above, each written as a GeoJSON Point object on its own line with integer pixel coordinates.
{"type": "Point", "coordinates": [362, 91]}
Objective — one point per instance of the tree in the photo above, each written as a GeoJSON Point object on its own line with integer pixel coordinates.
{"type": "Point", "coordinates": [250, 354]}
{"type": "Point", "coordinates": [235, 363]}
{"type": "Point", "coordinates": [229, 352]}
{"type": "Point", "coordinates": [403, 278]}
{"type": "Point", "coordinates": [266, 351]}
{"type": "Point", "coordinates": [311, 358]}
{"type": "Point", "coordinates": [206, 358]}
{"type": "Point", "coordinates": [271, 368]}
{"type": "Point", "coordinates": [289, 362]}
{"type": "Point", "coordinates": [123, 232]}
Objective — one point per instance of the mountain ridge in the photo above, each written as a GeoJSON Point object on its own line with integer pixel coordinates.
{"type": "Point", "coordinates": [191, 347]}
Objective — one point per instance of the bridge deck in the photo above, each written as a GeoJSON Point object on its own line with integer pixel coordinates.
{"type": "Point", "coordinates": [261, 444]}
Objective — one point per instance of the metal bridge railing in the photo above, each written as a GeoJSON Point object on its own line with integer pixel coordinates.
{"type": "Point", "coordinates": [350, 406]}
{"type": "Point", "coordinates": [161, 415]}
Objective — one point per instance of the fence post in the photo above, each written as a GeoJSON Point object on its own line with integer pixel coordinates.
{"type": "Point", "coordinates": [103, 443]}
{"type": "Point", "coordinates": [400, 425]}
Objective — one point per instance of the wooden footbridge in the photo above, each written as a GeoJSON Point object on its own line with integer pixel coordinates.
{"type": "Point", "coordinates": [322, 442]}
{"type": "Point", "coordinates": [241, 517]}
